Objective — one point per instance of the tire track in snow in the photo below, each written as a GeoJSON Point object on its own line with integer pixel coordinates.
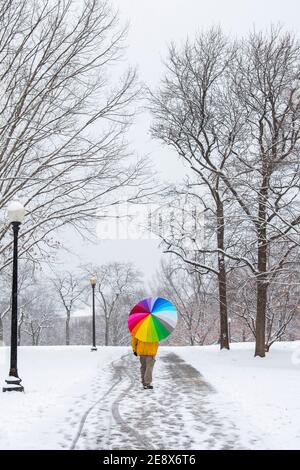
{"type": "Point", "coordinates": [119, 372]}
{"type": "Point", "coordinates": [88, 411]}
{"type": "Point", "coordinates": [141, 440]}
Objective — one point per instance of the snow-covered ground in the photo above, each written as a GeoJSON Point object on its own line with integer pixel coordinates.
{"type": "Point", "coordinates": [76, 398]}
{"type": "Point", "coordinates": [60, 384]}
{"type": "Point", "coordinates": [260, 394]}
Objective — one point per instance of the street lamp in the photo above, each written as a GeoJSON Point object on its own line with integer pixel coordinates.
{"type": "Point", "coordinates": [229, 334]}
{"type": "Point", "coordinates": [93, 282]}
{"type": "Point", "coordinates": [16, 213]}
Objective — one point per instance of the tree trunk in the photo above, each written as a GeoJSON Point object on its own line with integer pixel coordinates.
{"type": "Point", "coordinates": [68, 329]}
{"type": "Point", "coordinates": [222, 279]}
{"type": "Point", "coordinates": [37, 338]}
{"type": "Point", "coordinates": [260, 327]}
{"type": "Point", "coordinates": [224, 337]}
{"type": "Point", "coordinates": [261, 282]}
{"type": "Point", "coordinates": [106, 332]}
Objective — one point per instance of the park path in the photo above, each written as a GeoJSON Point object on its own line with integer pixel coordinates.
{"type": "Point", "coordinates": [178, 413]}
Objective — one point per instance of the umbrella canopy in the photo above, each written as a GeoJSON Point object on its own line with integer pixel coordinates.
{"type": "Point", "coordinates": [152, 319]}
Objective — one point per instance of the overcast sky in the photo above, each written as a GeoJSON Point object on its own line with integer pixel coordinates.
{"type": "Point", "coordinates": [154, 24]}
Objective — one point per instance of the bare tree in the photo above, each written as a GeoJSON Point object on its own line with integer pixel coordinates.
{"type": "Point", "coordinates": [191, 295]}
{"type": "Point", "coordinates": [26, 280]}
{"type": "Point", "coordinates": [264, 78]}
{"type": "Point", "coordinates": [117, 289]}
{"type": "Point", "coordinates": [232, 112]}
{"type": "Point", "coordinates": [119, 334]}
{"type": "Point", "coordinates": [189, 118]}
{"type": "Point", "coordinates": [39, 316]}
{"type": "Point", "coordinates": [70, 291]}
{"type": "Point", "coordinates": [27, 305]}
{"type": "Point", "coordinates": [282, 303]}
{"type": "Point", "coordinates": [64, 111]}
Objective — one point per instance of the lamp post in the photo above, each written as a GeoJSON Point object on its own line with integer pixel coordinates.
{"type": "Point", "coordinates": [229, 333]}
{"type": "Point", "coordinates": [16, 213]}
{"type": "Point", "coordinates": [93, 282]}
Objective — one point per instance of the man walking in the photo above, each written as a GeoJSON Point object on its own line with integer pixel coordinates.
{"type": "Point", "coordinates": [146, 353]}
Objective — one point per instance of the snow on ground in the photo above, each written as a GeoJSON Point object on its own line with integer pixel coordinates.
{"type": "Point", "coordinates": [261, 394]}
{"type": "Point", "coordinates": [177, 414]}
{"type": "Point", "coordinates": [78, 399]}
{"type": "Point", "coordinates": [60, 384]}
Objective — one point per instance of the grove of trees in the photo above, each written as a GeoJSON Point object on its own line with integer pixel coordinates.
{"type": "Point", "coordinates": [228, 108]}
{"type": "Point", "coordinates": [231, 110]}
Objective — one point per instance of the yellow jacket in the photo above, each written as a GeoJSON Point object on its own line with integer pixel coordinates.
{"type": "Point", "coordinates": [144, 349]}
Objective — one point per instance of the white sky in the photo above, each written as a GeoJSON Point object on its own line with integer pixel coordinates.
{"type": "Point", "coordinates": [154, 24]}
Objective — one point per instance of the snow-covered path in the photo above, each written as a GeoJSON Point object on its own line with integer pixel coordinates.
{"type": "Point", "coordinates": [177, 414]}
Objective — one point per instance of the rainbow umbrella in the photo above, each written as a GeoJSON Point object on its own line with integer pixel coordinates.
{"type": "Point", "coordinates": [152, 319]}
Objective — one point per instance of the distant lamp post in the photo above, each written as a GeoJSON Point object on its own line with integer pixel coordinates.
{"type": "Point", "coordinates": [16, 213]}
{"type": "Point", "coordinates": [93, 282]}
